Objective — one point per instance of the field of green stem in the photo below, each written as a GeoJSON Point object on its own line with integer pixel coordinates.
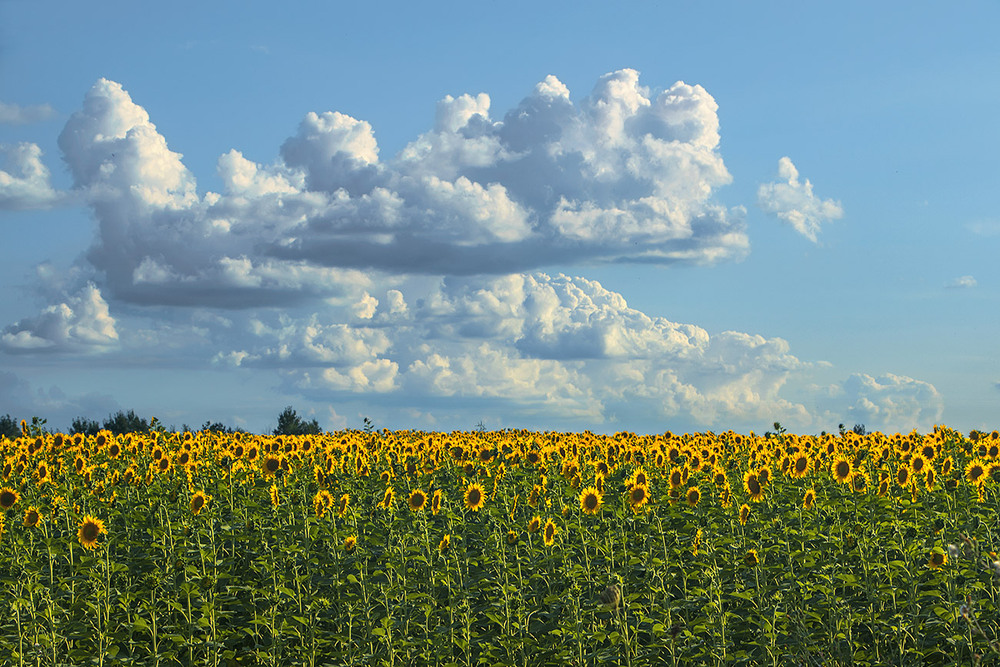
{"type": "Point", "coordinates": [499, 548]}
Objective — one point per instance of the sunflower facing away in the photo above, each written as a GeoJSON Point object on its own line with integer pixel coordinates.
{"type": "Point", "coordinates": [475, 497]}
{"type": "Point", "coordinates": [591, 500]}
{"type": "Point", "coordinates": [549, 535]}
{"type": "Point", "coordinates": [90, 529]}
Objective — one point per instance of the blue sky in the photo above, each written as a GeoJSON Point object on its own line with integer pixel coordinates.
{"type": "Point", "coordinates": [611, 216]}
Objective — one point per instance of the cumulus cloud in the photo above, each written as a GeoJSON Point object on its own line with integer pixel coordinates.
{"type": "Point", "coordinates": [626, 174]}
{"type": "Point", "coordinates": [82, 323]}
{"type": "Point", "coordinates": [24, 179]}
{"type": "Point", "coordinates": [963, 282]}
{"type": "Point", "coordinates": [892, 402]}
{"type": "Point", "coordinates": [15, 114]}
{"type": "Point", "coordinates": [793, 202]}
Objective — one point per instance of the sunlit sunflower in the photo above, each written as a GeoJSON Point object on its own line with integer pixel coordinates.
{"type": "Point", "coordinates": [322, 502]}
{"type": "Point", "coordinates": [638, 496]}
{"type": "Point", "coordinates": [42, 473]}
{"type": "Point", "coordinates": [937, 558]}
{"type": "Point", "coordinates": [591, 500]}
{"type": "Point", "coordinates": [549, 534]}
{"type": "Point", "coordinates": [349, 542]}
{"type": "Point", "coordinates": [270, 465]}
{"type": "Point", "coordinates": [8, 497]}
{"type": "Point", "coordinates": [842, 470]}
{"type": "Point", "coordinates": [918, 464]}
{"type": "Point", "coordinates": [198, 501]}
{"type": "Point", "coordinates": [809, 499]}
{"type": "Point", "coordinates": [860, 481]}
{"type": "Point", "coordinates": [164, 465]}
{"type": "Point", "coordinates": [744, 514]}
{"type": "Point", "coordinates": [676, 478]}
{"type": "Point", "coordinates": [417, 500]}
{"type": "Point", "coordinates": [903, 476]}
{"type": "Point", "coordinates": [693, 496]}
{"type": "Point", "coordinates": [535, 524]}
{"type": "Point", "coordinates": [444, 543]}
{"type": "Point", "coordinates": [475, 497]}
{"type": "Point", "coordinates": [929, 478]}
{"type": "Point", "coordinates": [752, 559]}
{"type": "Point", "coordinates": [342, 505]}
{"type": "Point", "coordinates": [436, 502]}
{"type": "Point", "coordinates": [946, 465]}
{"type": "Point", "coordinates": [32, 517]}
{"type": "Point", "coordinates": [975, 472]}
{"type": "Point", "coordinates": [273, 492]}
{"type": "Point", "coordinates": [511, 537]}
{"type": "Point", "coordinates": [88, 532]}
{"type": "Point", "coordinates": [800, 465]}
{"type": "Point", "coordinates": [640, 477]}
{"type": "Point", "coordinates": [883, 488]}
{"type": "Point", "coordinates": [753, 487]}
{"type": "Point", "coordinates": [388, 497]}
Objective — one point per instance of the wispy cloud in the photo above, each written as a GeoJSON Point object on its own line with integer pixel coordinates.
{"type": "Point", "coordinates": [963, 282]}
{"type": "Point", "coordinates": [793, 202]}
{"type": "Point", "coordinates": [13, 114]}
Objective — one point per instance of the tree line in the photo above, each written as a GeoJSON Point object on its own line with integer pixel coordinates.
{"type": "Point", "coordinates": [289, 423]}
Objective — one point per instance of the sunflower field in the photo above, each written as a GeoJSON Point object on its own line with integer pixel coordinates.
{"type": "Point", "coordinates": [499, 548]}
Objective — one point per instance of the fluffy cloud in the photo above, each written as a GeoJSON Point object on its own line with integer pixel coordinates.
{"type": "Point", "coordinates": [794, 202]}
{"type": "Point", "coordinates": [624, 175]}
{"type": "Point", "coordinates": [81, 323]}
{"type": "Point", "coordinates": [892, 402]}
{"type": "Point", "coordinates": [14, 114]}
{"type": "Point", "coordinates": [24, 178]}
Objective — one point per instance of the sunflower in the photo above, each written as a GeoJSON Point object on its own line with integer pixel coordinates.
{"type": "Point", "coordinates": [270, 465]}
{"type": "Point", "coordinates": [975, 472]}
{"type": "Point", "coordinates": [42, 473]}
{"type": "Point", "coordinates": [800, 466]}
{"type": "Point", "coordinates": [444, 543]}
{"type": "Point", "coordinates": [842, 470]}
{"type": "Point", "coordinates": [591, 500]}
{"type": "Point", "coordinates": [88, 532]}
{"type": "Point", "coordinates": [946, 465]}
{"type": "Point", "coordinates": [640, 477]}
{"type": "Point", "coordinates": [744, 514]}
{"type": "Point", "coordinates": [903, 476]}
{"type": "Point", "coordinates": [322, 502]}
{"type": "Point", "coordinates": [436, 502]}
{"type": "Point", "coordinates": [753, 487]}
{"type": "Point", "coordinates": [164, 464]}
{"type": "Point", "coordinates": [918, 464]}
{"type": "Point", "coordinates": [388, 497]}
{"type": "Point", "coordinates": [549, 534]}
{"type": "Point", "coordinates": [475, 497]}
{"type": "Point", "coordinates": [345, 500]}
{"type": "Point", "coordinates": [929, 478]}
{"type": "Point", "coordinates": [809, 500]}
{"type": "Point", "coordinates": [349, 542]}
{"type": "Point", "coordinates": [511, 537]}
{"type": "Point", "coordinates": [32, 517]}
{"type": "Point", "coordinates": [676, 478]}
{"type": "Point", "coordinates": [937, 558]}
{"type": "Point", "coordinates": [534, 524]}
{"type": "Point", "coordinates": [8, 497]}
{"type": "Point", "coordinates": [273, 492]}
{"type": "Point", "coordinates": [860, 481]}
{"type": "Point", "coordinates": [883, 488]}
{"type": "Point", "coordinates": [638, 496]}
{"type": "Point", "coordinates": [693, 496]}
{"type": "Point", "coordinates": [198, 501]}
{"type": "Point", "coordinates": [752, 559]}
{"type": "Point", "coordinates": [417, 500]}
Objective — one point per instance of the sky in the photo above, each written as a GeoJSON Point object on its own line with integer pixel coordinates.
{"type": "Point", "coordinates": [634, 216]}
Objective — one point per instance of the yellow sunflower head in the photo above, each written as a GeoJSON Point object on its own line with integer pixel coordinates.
{"type": "Point", "coordinates": [638, 496]}
{"type": "Point", "coordinates": [752, 558]}
{"type": "Point", "coordinates": [752, 485]}
{"type": "Point", "coordinates": [342, 505]}
{"type": "Point", "coordinates": [350, 542]}
{"type": "Point", "coordinates": [198, 501]}
{"type": "Point", "coordinates": [475, 497]}
{"type": "Point", "coordinates": [436, 502]}
{"type": "Point", "coordinates": [841, 469]}
{"type": "Point", "coordinates": [591, 500]}
{"type": "Point", "coordinates": [550, 532]}
{"type": "Point", "coordinates": [417, 500]}
{"type": "Point", "coordinates": [88, 532]}
{"type": "Point", "coordinates": [809, 499]}
{"type": "Point", "coordinates": [937, 559]}
{"type": "Point", "coordinates": [535, 524]}
{"type": "Point", "coordinates": [32, 517]}
{"type": "Point", "coordinates": [8, 497]}
{"type": "Point", "coordinates": [744, 514]}
{"type": "Point", "coordinates": [693, 496]}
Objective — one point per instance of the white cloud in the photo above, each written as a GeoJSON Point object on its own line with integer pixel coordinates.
{"type": "Point", "coordinates": [623, 175]}
{"type": "Point", "coordinates": [14, 114]}
{"type": "Point", "coordinates": [963, 282]}
{"type": "Point", "coordinates": [81, 323]}
{"type": "Point", "coordinates": [24, 179]}
{"type": "Point", "coordinates": [794, 202]}
{"type": "Point", "coordinates": [892, 402]}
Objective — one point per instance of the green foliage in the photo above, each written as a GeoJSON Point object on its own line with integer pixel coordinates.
{"type": "Point", "coordinates": [85, 426]}
{"type": "Point", "coordinates": [126, 422]}
{"type": "Point", "coordinates": [289, 423]}
{"type": "Point", "coordinates": [9, 428]}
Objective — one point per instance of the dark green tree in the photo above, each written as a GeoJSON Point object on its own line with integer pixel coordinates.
{"type": "Point", "coordinates": [126, 422]}
{"type": "Point", "coordinates": [289, 423]}
{"type": "Point", "coordinates": [9, 427]}
{"type": "Point", "coordinates": [85, 426]}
